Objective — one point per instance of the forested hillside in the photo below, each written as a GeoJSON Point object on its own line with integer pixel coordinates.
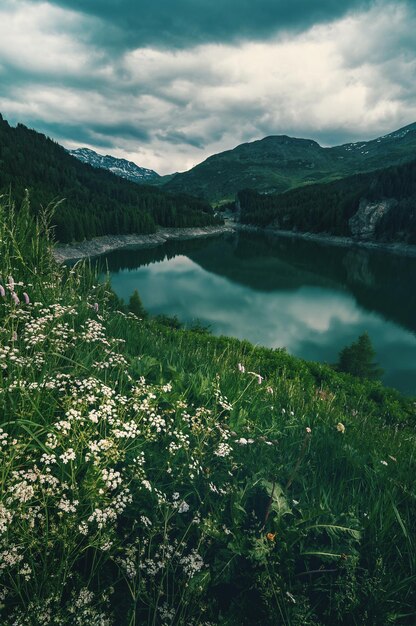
{"type": "Point", "coordinates": [95, 201]}
{"type": "Point", "coordinates": [334, 207]}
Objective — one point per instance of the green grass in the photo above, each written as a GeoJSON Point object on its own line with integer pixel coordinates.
{"type": "Point", "coordinates": [148, 479]}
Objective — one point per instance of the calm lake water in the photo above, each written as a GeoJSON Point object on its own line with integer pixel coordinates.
{"type": "Point", "coordinates": [311, 298]}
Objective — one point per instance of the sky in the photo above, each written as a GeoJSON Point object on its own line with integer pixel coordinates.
{"type": "Point", "coordinates": [167, 83]}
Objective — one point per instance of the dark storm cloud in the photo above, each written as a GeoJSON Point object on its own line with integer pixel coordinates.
{"type": "Point", "coordinates": [178, 138]}
{"type": "Point", "coordinates": [98, 134]}
{"type": "Point", "coordinates": [68, 132]}
{"type": "Point", "coordinates": [183, 23]}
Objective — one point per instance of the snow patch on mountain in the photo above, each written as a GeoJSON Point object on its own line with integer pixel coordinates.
{"type": "Point", "coordinates": [120, 167]}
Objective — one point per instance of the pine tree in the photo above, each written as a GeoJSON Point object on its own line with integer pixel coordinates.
{"type": "Point", "coordinates": [358, 359]}
{"type": "Point", "coordinates": [136, 305]}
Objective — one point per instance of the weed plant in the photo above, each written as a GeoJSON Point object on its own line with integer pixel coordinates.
{"type": "Point", "coordinates": [158, 476]}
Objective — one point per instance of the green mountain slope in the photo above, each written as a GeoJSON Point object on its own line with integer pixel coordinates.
{"type": "Point", "coordinates": [279, 163]}
{"type": "Point", "coordinates": [96, 202]}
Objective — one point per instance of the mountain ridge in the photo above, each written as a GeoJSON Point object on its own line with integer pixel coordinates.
{"type": "Point", "coordinates": [278, 163]}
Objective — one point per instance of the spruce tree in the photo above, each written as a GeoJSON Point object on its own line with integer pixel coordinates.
{"type": "Point", "coordinates": [358, 359]}
{"type": "Point", "coordinates": [136, 305]}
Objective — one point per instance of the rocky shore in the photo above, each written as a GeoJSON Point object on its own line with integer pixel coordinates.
{"type": "Point", "coordinates": [107, 243]}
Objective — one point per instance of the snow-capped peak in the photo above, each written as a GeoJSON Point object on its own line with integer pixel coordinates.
{"type": "Point", "coordinates": [120, 167]}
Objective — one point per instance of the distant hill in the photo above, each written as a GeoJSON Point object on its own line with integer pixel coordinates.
{"type": "Point", "coordinates": [375, 206]}
{"type": "Point", "coordinates": [95, 201]}
{"type": "Point", "coordinates": [120, 167]}
{"type": "Point", "coordinates": [278, 163]}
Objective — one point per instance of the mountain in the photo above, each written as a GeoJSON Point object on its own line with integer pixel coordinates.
{"type": "Point", "coordinates": [278, 163]}
{"type": "Point", "coordinates": [120, 167]}
{"type": "Point", "coordinates": [94, 201]}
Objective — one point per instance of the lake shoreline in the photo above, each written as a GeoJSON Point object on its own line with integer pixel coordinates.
{"type": "Point", "coordinates": [107, 243]}
{"type": "Point", "coordinates": [401, 249]}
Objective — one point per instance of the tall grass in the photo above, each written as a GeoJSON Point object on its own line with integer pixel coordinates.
{"type": "Point", "coordinates": [159, 476]}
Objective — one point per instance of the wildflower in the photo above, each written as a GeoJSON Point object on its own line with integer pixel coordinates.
{"type": "Point", "coordinates": [68, 455]}
{"type": "Point", "coordinates": [271, 536]}
{"type": "Point", "coordinates": [10, 282]}
{"type": "Point", "coordinates": [308, 430]}
{"type": "Point", "coordinates": [192, 563]}
{"type": "Point", "coordinates": [14, 336]}
{"type": "Point", "coordinates": [183, 507]}
{"type": "Point", "coordinates": [2, 291]}
{"type": "Point", "coordinates": [269, 390]}
{"type": "Point", "coordinates": [5, 518]}
{"type": "Point", "coordinates": [26, 298]}
{"type": "Point", "coordinates": [340, 427]}
{"type": "Point", "coordinates": [258, 376]}
{"type": "Point", "coordinates": [384, 462]}
{"type": "Point", "coordinates": [96, 307]}
{"type": "Point", "coordinates": [223, 450]}
{"type": "Point", "coordinates": [241, 368]}
{"type": "Point", "coordinates": [111, 478]}
{"type": "Point", "coordinates": [25, 571]}
{"type": "Point", "coordinates": [15, 298]}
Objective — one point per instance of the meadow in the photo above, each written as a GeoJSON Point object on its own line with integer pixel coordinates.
{"type": "Point", "coordinates": [158, 476]}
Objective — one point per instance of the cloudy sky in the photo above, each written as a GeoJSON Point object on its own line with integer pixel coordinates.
{"type": "Point", "coordinates": [166, 83]}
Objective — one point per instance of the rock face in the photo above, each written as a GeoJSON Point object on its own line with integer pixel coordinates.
{"type": "Point", "coordinates": [364, 222]}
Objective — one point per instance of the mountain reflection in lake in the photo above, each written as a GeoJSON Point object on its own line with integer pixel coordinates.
{"type": "Point", "coordinates": [309, 297]}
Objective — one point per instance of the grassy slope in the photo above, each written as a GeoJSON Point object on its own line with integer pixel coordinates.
{"type": "Point", "coordinates": [290, 520]}
{"type": "Point", "coordinates": [279, 163]}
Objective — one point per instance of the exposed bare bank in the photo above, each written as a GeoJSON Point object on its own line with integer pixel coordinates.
{"type": "Point", "coordinates": [107, 243]}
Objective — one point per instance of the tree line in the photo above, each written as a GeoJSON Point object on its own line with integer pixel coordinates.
{"type": "Point", "coordinates": [328, 207]}
{"type": "Point", "coordinates": [94, 201]}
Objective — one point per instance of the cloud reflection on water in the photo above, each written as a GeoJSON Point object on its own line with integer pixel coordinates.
{"type": "Point", "coordinates": [311, 322]}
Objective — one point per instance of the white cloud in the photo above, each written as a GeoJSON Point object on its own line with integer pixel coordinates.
{"type": "Point", "coordinates": [43, 39]}
{"type": "Point", "coordinates": [353, 78]}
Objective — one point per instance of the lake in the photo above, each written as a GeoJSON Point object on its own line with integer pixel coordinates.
{"type": "Point", "coordinates": [309, 297]}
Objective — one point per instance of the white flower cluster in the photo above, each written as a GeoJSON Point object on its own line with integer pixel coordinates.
{"type": "Point", "coordinates": [112, 478]}
{"type": "Point", "coordinates": [223, 450]}
{"type": "Point", "coordinates": [9, 354]}
{"type": "Point", "coordinates": [6, 517]}
{"type": "Point", "coordinates": [192, 563]}
{"type": "Point", "coordinates": [95, 471]}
